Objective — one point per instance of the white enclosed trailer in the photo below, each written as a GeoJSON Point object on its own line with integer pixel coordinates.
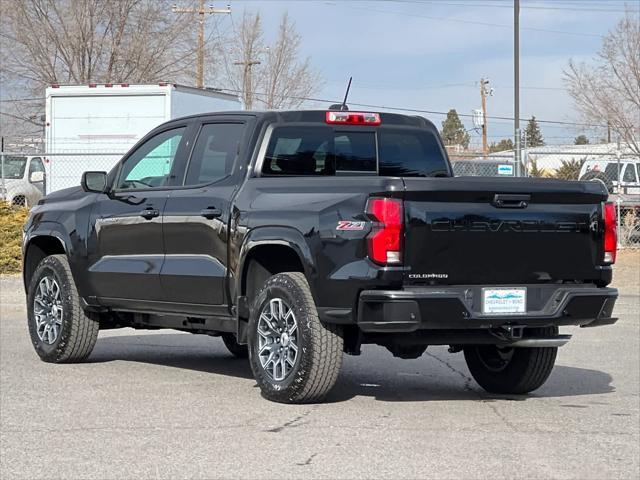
{"type": "Point", "coordinates": [90, 127]}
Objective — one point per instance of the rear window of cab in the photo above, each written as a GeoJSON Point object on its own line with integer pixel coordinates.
{"type": "Point", "coordinates": [325, 150]}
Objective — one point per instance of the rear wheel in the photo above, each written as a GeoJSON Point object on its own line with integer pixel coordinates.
{"type": "Point", "coordinates": [294, 357]}
{"type": "Point", "coordinates": [60, 330]}
{"type": "Point", "coordinates": [511, 370]}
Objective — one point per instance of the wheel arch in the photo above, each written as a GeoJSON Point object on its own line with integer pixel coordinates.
{"type": "Point", "coordinates": [38, 246]}
{"type": "Point", "coordinates": [271, 250]}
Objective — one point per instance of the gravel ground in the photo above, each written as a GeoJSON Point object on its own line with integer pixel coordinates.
{"type": "Point", "coordinates": [172, 405]}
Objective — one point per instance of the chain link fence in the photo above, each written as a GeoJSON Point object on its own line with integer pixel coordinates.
{"type": "Point", "coordinates": [26, 177]}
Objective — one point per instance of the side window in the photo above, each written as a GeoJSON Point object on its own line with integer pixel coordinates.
{"type": "Point", "coordinates": [149, 166]}
{"type": "Point", "coordinates": [214, 153]}
{"type": "Point", "coordinates": [36, 165]}
{"type": "Point", "coordinates": [629, 174]}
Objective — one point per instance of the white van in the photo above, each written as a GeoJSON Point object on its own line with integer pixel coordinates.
{"type": "Point", "coordinates": [22, 180]}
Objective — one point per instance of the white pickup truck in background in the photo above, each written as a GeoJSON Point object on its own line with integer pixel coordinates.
{"type": "Point", "coordinates": [89, 127]}
{"type": "Point", "coordinates": [22, 180]}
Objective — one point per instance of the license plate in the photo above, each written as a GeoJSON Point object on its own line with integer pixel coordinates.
{"type": "Point", "coordinates": [504, 301]}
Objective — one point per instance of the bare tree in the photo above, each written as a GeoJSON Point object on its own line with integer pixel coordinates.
{"type": "Point", "coordinates": [80, 41]}
{"type": "Point", "coordinates": [281, 79]}
{"type": "Point", "coordinates": [85, 41]}
{"type": "Point", "coordinates": [608, 90]}
{"type": "Point", "coordinates": [287, 79]}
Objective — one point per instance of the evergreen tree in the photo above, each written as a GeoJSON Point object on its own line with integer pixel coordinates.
{"type": "Point", "coordinates": [501, 146]}
{"type": "Point", "coordinates": [534, 171]}
{"type": "Point", "coordinates": [534, 135]}
{"type": "Point", "coordinates": [453, 132]}
{"type": "Point", "coordinates": [581, 140]}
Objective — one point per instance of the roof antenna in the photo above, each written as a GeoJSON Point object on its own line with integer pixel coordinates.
{"type": "Point", "coordinates": [346, 94]}
{"type": "Point", "coordinates": [342, 106]}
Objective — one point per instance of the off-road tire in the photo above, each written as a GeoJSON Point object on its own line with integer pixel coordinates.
{"type": "Point", "coordinates": [231, 342]}
{"type": "Point", "coordinates": [78, 332]}
{"type": "Point", "coordinates": [320, 345]}
{"type": "Point", "coordinates": [526, 371]}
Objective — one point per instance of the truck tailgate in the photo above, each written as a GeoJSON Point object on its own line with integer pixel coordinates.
{"type": "Point", "coordinates": [502, 231]}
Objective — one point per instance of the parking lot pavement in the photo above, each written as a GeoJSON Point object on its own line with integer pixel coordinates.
{"type": "Point", "coordinates": [174, 405]}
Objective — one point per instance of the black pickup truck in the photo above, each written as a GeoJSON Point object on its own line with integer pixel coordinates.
{"type": "Point", "coordinates": [299, 236]}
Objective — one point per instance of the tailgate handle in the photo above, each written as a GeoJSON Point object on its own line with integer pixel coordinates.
{"type": "Point", "coordinates": [505, 200]}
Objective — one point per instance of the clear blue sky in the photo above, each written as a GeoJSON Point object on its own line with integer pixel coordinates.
{"type": "Point", "coordinates": [430, 54]}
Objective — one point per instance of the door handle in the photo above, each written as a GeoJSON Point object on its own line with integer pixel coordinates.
{"type": "Point", "coordinates": [149, 213]}
{"type": "Point", "coordinates": [210, 213]}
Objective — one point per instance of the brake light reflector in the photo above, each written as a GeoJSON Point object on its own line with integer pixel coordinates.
{"type": "Point", "coordinates": [610, 232]}
{"type": "Point", "coordinates": [353, 118]}
{"type": "Point", "coordinates": [385, 240]}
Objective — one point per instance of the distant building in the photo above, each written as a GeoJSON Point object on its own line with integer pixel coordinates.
{"type": "Point", "coordinates": [550, 157]}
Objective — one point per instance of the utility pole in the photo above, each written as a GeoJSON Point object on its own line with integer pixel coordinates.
{"type": "Point", "coordinates": [201, 11]}
{"type": "Point", "coordinates": [516, 83]}
{"type": "Point", "coordinates": [483, 96]}
{"type": "Point", "coordinates": [247, 90]}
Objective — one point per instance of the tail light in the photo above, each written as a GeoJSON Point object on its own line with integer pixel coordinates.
{"type": "Point", "coordinates": [610, 233]}
{"type": "Point", "coordinates": [385, 240]}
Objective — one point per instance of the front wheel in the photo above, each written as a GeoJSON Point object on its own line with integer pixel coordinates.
{"type": "Point", "coordinates": [510, 370]}
{"type": "Point", "coordinates": [61, 332]}
{"type": "Point", "coordinates": [294, 357]}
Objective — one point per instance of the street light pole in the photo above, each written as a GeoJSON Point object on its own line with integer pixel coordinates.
{"type": "Point", "coordinates": [516, 83]}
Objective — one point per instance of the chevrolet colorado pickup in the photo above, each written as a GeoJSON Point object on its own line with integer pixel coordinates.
{"type": "Point", "coordinates": [299, 236]}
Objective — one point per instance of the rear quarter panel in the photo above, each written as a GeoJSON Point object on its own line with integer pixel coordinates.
{"type": "Point", "coordinates": [337, 266]}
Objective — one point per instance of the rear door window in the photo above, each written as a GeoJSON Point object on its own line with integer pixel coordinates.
{"type": "Point", "coordinates": [214, 153]}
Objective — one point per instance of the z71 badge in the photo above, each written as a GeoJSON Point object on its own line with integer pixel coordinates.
{"type": "Point", "coordinates": [349, 225]}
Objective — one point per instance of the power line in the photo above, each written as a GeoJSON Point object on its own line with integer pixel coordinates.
{"type": "Point", "coordinates": [499, 119]}
{"type": "Point", "coordinates": [367, 86]}
{"type": "Point", "coordinates": [471, 22]}
{"type": "Point", "coordinates": [486, 5]}
{"type": "Point", "coordinates": [12, 100]}
{"type": "Point", "coordinates": [416, 110]}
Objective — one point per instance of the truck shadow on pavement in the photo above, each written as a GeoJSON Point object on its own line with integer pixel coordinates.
{"type": "Point", "coordinates": [434, 386]}
{"type": "Point", "coordinates": [376, 374]}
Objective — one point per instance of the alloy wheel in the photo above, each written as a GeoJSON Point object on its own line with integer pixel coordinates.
{"type": "Point", "coordinates": [48, 310]}
{"type": "Point", "coordinates": [277, 339]}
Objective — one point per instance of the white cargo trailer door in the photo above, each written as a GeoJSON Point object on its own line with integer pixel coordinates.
{"type": "Point", "coordinates": [94, 130]}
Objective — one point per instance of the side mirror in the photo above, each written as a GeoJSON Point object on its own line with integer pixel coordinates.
{"type": "Point", "coordinates": [94, 182]}
{"type": "Point", "coordinates": [36, 177]}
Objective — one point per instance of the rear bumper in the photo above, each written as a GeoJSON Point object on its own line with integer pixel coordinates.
{"type": "Point", "coordinates": [459, 307]}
